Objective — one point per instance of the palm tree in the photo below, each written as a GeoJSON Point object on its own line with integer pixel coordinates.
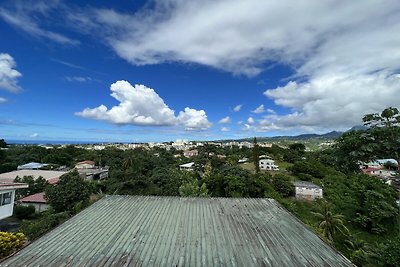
{"type": "Point", "coordinates": [330, 223]}
{"type": "Point", "coordinates": [128, 161]}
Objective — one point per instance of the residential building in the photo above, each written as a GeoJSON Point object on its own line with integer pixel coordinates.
{"type": "Point", "coordinates": [187, 166]}
{"type": "Point", "coordinates": [87, 164]}
{"type": "Point", "coordinates": [36, 200]}
{"type": "Point", "coordinates": [268, 165]}
{"type": "Point", "coordinates": [7, 196]}
{"type": "Point", "coordinates": [307, 191]}
{"type": "Point", "coordinates": [191, 153]}
{"type": "Point", "coordinates": [176, 231]}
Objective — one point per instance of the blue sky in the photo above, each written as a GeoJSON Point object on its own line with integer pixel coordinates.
{"type": "Point", "coordinates": [177, 69]}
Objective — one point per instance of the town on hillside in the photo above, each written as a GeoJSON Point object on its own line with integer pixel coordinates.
{"type": "Point", "coordinates": [353, 185]}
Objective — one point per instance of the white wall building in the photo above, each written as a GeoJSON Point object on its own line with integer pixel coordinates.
{"type": "Point", "coordinates": [308, 190]}
{"type": "Point", "coordinates": [268, 165]}
{"type": "Point", "coordinates": [7, 196]}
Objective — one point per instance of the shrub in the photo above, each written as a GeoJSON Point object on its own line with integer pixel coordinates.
{"type": "Point", "coordinates": [36, 228]}
{"type": "Point", "coordinates": [305, 177]}
{"type": "Point", "coordinates": [24, 212]}
{"type": "Point", "coordinates": [9, 242]}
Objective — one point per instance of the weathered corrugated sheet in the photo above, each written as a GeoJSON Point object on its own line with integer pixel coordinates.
{"type": "Point", "coordinates": [173, 231]}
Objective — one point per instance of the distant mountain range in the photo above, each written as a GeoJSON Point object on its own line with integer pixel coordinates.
{"type": "Point", "coordinates": [326, 136]}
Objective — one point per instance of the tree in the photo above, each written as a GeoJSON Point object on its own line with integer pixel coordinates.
{"type": "Point", "coordinates": [380, 140]}
{"type": "Point", "coordinates": [256, 155]}
{"type": "Point", "coordinates": [192, 189]}
{"type": "Point", "coordinates": [299, 147]}
{"type": "Point", "coordinates": [385, 131]}
{"type": "Point", "coordinates": [3, 143]}
{"type": "Point", "coordinates": [329, 222]}
{"type": "Point", "coordinates": [282, 184]}
{"type": "Point", "coordinates": [70, 190]}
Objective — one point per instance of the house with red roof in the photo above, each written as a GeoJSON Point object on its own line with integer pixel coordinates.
{"type": "Point", "coordinates": [37, 200]}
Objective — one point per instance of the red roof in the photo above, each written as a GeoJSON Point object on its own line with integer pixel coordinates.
{"type": "Point", "coordinates": [53, 180]}
{"type": "Point", "coordinates": [36, 198]}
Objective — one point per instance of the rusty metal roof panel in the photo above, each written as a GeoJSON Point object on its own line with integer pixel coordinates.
{"type": "Point", "coordinates": [173, 231]}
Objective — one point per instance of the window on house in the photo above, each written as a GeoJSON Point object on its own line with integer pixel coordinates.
{"type": "Point", "coordinates": [5, 198]}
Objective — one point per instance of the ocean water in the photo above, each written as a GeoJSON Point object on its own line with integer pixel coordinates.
{"type": "Point", "coordinates": [52, 142]}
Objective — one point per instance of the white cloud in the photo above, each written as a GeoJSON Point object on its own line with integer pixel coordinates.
{"type": "Point", "coordinates": [240, 122]}
{"type": "Point", "coordinates": [250, 120]}
{"type": "Point", "coordinates": [345, 56]}
{"type": "Point", "coordinates": [237, 108]}
{"type": "Point", "coordinates": [334, 101]}
{"type": "Point", "coordinates": [271, 111]}
{"type": "Point", "coordinates": [140, 105]}
{"type": "Point", "coordinates": [80, 79]}
{"type": "Point", "coordinates": [26, 18]}
{"type": "Point", "coordinates": [260, 109]}
{"type": "Point", "coordinates": [34, 135]}
{"type": "Point", "coordinates": [8, 74]}
{"type": "Point", "coordinates": [225, 120]}
{"type": "Point", "coordinates": [239, 36]}
{"type": "Point", "coordinates": [194, 120]}
{"type": "Point", "coordinates": [225, 129]}
{"type": "Point", "coordinates": [2, 100]}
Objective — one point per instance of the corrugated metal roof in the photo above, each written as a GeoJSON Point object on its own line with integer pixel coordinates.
{"type": "Point", "coordinates": [48, 175]}
{"type": "Point", "coordinates": [173, 231]}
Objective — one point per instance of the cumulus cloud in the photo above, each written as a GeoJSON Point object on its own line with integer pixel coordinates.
{"type": "Point", "coordinates": [225, 120]}
{"type": "Point", "coordinates": [140, 105]}
{"type": "Point", "coordinates": [225, 129]}
{"type": "Point", "coordinates": [194, 120]}
{"type": "Point", "coordinates": [8, 74]}
{"type": "Point", "coordinates": [250, 120]}
{"type": "Point", "coordinates": [334, 101]}
{"type": "Point", "coordinates": [237, 108]}
{"type": "Point", "coordinates": [260, 109]}
{"type": "Point", "coordinates": [34, 135]}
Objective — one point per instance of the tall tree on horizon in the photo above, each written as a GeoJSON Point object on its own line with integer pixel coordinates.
{"type": "Point", "coordinates": [256, 156]}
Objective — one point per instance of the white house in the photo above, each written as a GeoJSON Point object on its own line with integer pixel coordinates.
{"type": "Point", "coordinates": [307, 190]}
{"type": "Point", "coordinates": [187, 166]}
{"type": "Point", "coordinates": [380, 172]}
{"type": "Point", "coordinates": [7, 196]}
{"type": "Point", "coordinates": [268, 164]}
{"type": "Point", "coordinates": [36, 200]}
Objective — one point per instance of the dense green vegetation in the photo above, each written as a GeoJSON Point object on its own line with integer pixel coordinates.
{"type": "Point", "coordinates": [358, 215]}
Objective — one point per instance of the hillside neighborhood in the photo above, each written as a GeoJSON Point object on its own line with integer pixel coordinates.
{"type": "Point", "coordinates": [200, 195]}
